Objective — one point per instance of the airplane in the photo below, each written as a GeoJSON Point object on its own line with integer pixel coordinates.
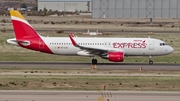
{"type": "Point", "coordinates": [113, 49]}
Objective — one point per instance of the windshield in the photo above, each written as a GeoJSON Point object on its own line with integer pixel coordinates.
{"type": "Point", "coordinates": [163, 44]}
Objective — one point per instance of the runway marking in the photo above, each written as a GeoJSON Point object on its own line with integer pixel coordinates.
{"type": "Point", "coordinates": [102, 94]}
{"type": "Point", "coordinates": [110, 94]}
{"type": "Point", "coordinates": [100, 99]}
{"type": "Point", "coordinates": [106, 95]}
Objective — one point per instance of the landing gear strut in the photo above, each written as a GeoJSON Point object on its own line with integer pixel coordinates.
{"type": "Point", "coordinates": [150, 61]}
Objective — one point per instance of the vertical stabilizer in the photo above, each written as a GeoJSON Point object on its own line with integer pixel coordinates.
{"type": "Point", "coordinates": [22, 28]}
{"type": "Point", "coordinates": [25, 34]}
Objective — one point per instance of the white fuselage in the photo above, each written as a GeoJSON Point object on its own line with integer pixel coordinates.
{"type": "Point", "coordinates": [130, 46]}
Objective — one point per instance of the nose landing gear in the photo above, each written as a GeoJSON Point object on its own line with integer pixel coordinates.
{"type": "Point", "coordinates": [150, 61]}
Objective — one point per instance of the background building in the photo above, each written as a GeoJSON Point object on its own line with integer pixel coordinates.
{"type": "Point", "coordinates": [65, 5]}
{"type": "Point", "coordinates": [17, 4]}
{"type": "Point", "coordinates": [136, 8]}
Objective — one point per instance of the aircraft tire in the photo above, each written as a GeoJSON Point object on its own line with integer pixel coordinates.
{"type": "Point", "coordinates": [150, 62]}
{"type": "Point", "coordinates": [94, 61]}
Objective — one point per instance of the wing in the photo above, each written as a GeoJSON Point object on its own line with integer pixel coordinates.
{"type": "Point", "coordinates": [92, 50]}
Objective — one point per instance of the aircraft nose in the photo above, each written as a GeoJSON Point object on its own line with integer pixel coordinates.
{"type": "Point", "coordinates": [171, 49]}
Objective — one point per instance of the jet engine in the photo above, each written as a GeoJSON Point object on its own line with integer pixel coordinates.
{"type": "Point", "coordinates": [115, 56]}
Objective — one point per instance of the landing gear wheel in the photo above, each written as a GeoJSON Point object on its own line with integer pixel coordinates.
{"type": "Point", "coordinates": [150, 62]}
{"type": "Point", "coordinates": [94, 63]}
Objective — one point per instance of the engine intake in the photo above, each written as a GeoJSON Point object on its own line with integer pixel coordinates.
{"type": "Point", "coordinates": [116, 56]}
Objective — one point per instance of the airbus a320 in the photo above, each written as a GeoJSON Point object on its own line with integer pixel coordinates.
{"type": "Point", "coordinates": [113, 49]}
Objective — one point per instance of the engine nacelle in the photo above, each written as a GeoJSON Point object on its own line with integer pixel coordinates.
{"type": "Point", "coordinates": [116, 56]}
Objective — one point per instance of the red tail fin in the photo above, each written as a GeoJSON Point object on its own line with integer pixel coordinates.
{"type": "Point", "coordinates": [22, 28]}
{"type": "Point", "coordinates": [26, 36]}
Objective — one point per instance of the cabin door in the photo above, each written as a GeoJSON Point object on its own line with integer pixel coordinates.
{"type": "Point", "coordinates": [151, 45]}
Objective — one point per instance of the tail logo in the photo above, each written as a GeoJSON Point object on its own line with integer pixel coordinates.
{"type": "Point", "coordinates": [25, 34]}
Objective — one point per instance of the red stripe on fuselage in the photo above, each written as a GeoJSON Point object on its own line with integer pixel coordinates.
{"type": "Point", "coordinates": [24, 32]}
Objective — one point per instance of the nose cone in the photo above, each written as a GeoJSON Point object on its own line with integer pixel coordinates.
{"type": "Point", "coordinates": [170, 50]}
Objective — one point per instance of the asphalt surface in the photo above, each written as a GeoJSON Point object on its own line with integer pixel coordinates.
{"type": "Point", "coordinates": [125, 66]}
{"type": "Point", "coordinates": [36, 95]}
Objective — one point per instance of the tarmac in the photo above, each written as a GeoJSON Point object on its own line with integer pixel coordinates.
{"type": "Point", "coordinates": [46, 95]}
{"type": "Point", "coordinates": [125, 66]}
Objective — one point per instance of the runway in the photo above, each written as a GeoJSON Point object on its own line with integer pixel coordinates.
{"type": "Point", "coordinates": [104, 30]}
{"type": "Point", "coordinates": [126, 66]}
{"type": "Point", "coordinates": [41, 95]}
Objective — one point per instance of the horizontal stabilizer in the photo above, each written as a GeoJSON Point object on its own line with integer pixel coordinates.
{"type": "Point", "coordinates": [17, 42]}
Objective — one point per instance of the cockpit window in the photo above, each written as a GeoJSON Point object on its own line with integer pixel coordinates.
{"type": "Point", "coordinates": [163, 44]}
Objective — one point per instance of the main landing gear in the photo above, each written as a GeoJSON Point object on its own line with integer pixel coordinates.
{"type": "Point", "coordinates": [150, 61]}
{"type": "Point", "coordinates": [94, 63]}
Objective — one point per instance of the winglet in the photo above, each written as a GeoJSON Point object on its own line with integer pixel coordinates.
{"type": "Point", "coordinates": [72, 35]}
{"type": "Point", "coordinates": [72, 40]}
